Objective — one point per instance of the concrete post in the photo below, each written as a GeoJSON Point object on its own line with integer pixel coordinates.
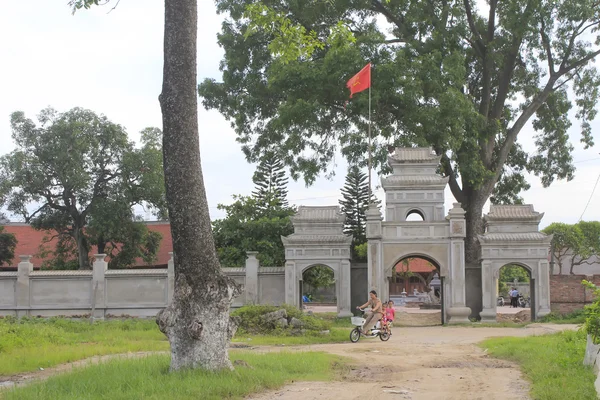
{"type": "Point", "coordinates": [344, 295]}
{"type": "Point", "coordinates": [22, 289]}
{"type": "Point", "coordinates": [458, 312]}
{"type": "Point", "coordinates": [98, 287]}
{"type": "Point", "coordinates": [170, 278]}
{"type": "Point", "coordinates": [374, 260]}
{"type": "Point", "coordinates": [251, 285]}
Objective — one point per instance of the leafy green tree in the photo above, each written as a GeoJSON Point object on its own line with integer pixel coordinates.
{"type": "Point", "coordinates": [270, 180]}
{"type": "Point", "coordinates": [354, 204]}
{"type": "Point", "coordinates": [197, 322]}
{"type": "Point", "coordinates": [576, 244]}
{"type": "Point", "coordinates": [68, 166]}
{"type": "Point", "coordinates": [509, 273]}
{"type": "Point", "coordinates": [319, 276]}
{"type": "Point", "coordinates": [462, 80]}
{"type": "Point", "coordinates": [251, 224]}
{"type": "Point", "coordinates": [8, 242]}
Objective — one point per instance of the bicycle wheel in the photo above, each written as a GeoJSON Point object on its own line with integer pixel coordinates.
{"type": "Point", "coordinates": [384, 336]}
{"type": "Point", "coordinates": [354, 335]}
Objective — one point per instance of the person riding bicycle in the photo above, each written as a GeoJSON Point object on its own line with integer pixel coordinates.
{"type": "Point", "coordinates": [371, 316]}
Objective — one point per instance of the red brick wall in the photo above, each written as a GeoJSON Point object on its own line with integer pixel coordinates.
{"type": "Point", "coordinates": [567, 294]}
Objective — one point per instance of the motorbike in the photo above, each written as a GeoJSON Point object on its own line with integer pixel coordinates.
{"type": "Point", "coordinates": [378, 331]}
{"type": "Point", "coordinates": [501, 301]}
{"type": "Point", "coordinates": [524, 302]}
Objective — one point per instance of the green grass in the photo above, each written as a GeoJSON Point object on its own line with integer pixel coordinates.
{"type": "Point", "coordinates": [28, 344]}
{"type": "Point", "coordinates": [552, 363]}
{"type": "Point", "coordinates": [148, 378]}
{"type": "Point", "coordinates": [32, 343]}
{"type": "Point", "coordinates": [336, 335]}
{"type": "Point", "coordinates": [576, 317]}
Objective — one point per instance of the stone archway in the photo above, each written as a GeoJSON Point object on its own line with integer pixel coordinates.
{"type": "Point", "coordinates": [513, 237]}
{"type": "Point", "coordinates": [415, 186]}
{"type": "Point", "coordinates": [318, 239]}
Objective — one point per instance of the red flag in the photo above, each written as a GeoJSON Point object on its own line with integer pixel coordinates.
{"type": "Point", "coordinates": [360, 81]}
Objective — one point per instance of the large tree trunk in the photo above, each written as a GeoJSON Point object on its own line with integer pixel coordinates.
{"type": "Point", "coordinates": [82, 248]}
{"type": "Point", "coordinates": [197, 322]}
{"type": "Point", "coordinates": [475, 226]}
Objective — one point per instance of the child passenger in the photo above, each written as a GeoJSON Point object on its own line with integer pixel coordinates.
{"type": "Point", "coordinates": [390, 313]}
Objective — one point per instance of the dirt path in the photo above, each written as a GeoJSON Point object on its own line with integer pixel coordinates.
{"type": "Point", "coordinates": [431, 363]}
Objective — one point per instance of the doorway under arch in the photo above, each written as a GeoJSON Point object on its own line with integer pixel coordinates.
{"type": "Point", "coordinates": [319, 287]}
{"type": "Point", "coordinates": [515, 279]}
{"type": "Point", "coordinates": [416, 289]}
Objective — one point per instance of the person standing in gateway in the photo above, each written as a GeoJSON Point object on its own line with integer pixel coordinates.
{"type": "Point", "coordinates": [374, 315]}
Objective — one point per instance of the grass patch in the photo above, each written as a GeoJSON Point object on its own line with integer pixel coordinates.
{"type": "Point", "coordinates": [148, 378]}
{"type": "Point", "coordinates": [576, 317]}
{"type": "Point", "coordinates": [30, 343]}
{"type": "Point", "coordinates": [553, 363]}
{"type": "Point", "coordinates": [336, 335]}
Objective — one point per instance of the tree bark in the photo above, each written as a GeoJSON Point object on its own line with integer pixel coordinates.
{"type": "Point", "coordinates": [475, 226]}
{"type": "Point", "coordinates": [197, 322]}
{"type": "Point", "coordinates": [82, 248]}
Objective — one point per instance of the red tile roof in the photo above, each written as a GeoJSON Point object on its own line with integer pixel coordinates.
{"type": "Point", "coordinates": [416, 265]}
{"type": "Point", "coordinates": [30, 240]}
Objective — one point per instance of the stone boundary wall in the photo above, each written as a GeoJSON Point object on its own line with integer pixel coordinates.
{"type": "Point", "coordinates": [103, 293]}
{"type": "Point", "coordinates": [567, 294]}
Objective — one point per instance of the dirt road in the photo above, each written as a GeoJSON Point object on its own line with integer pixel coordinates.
{"type": "Point", "coordinates": [432, 363]}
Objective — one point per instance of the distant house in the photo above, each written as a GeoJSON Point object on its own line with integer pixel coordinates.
{"type": "Point", "coordinates": [29, 242]}
{"type": "Point", "coordinates": [411, 275]}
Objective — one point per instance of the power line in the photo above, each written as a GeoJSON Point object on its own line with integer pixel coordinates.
{"type": "Point", "coordinates": [590, 199]}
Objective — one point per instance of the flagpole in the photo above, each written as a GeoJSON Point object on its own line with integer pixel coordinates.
{"type": "Point", "coordinates": [369, 138]}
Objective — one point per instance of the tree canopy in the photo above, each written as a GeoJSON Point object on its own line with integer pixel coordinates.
{"type": "Point", "coordinates": [8, 242]}
{"type": "Point", "coordinates": [270, 180]}
{"type": "Point", "coordinates": [575, 244]}
{"type": "Point", "coordinates": [251, 224]}
{"type": "Point", "coordinates": [446, 74]}
{"type": "Point", "coordinates": [355, 202]}
{"type": "Point", "coordinates": [78, 169]}
{"type": "Point", "coordinates": [449, 75]}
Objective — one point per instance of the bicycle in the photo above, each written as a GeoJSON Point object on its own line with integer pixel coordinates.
{"type": "Point", "coordinates": [378, 331]}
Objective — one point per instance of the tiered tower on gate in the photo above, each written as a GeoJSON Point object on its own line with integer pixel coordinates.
{"type": "Point", "coordinates": [414, 186]}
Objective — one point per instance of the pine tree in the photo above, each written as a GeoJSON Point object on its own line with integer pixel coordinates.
{"type": "Point", "coordinates": [270, 180]}
{"type": "Point", "coordinates": [355, 204]}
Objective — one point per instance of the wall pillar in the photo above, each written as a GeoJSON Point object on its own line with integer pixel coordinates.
{"type": "Point", "coordinates": [291, 285]}
{"type": "Point", "coordinates": [489, 279]}
{"type": "Point", "coordinates": [343, 299]}
{"type": "Point", "coordinates": [251, 286]}
{"type": "Point", "coordinates": [458, 312]}
{"type": "Point", "coordinates": [542, 290]}
{"type": "Point", "coordinates": [22, 289]}
{"type": "Point", "coordinates": [376, 275]}
{"type": "Point", "coordinates": [98, 287]}
{"type": "Point", "coordinates": [170, 278]}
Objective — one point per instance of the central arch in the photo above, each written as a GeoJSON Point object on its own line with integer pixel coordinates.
{"type": "Point", "coordinates": [416, 289]}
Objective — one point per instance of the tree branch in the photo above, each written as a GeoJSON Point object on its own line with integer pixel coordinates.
{"type": "Point", "coordinates": [479, 46]}
{"type": "Point", "coordinates": [492, 20]}
{"type": "Point", "coordinates": [454, 186]}
{"type": "Point", "coordinates": [390, 41]}
{"type": "Point", "coordinates": [520, 123]}
{"type": "Point", "coordinates": [570, 46]}
{"type": "Point", "coordinates": [547, 46]}
{"type": "Point", "coordinates": [398, 21]}
{"type": "Point", "coordinates": [580, 63]}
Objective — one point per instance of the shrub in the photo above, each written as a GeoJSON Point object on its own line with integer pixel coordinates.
{"type": "Point", "coordinates": [592, 313]}
{"type": "Point", "coordinates": [250, 319]}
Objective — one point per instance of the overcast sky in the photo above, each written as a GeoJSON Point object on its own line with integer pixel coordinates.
{"type": "Point", "coordinates": [111, 63]}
